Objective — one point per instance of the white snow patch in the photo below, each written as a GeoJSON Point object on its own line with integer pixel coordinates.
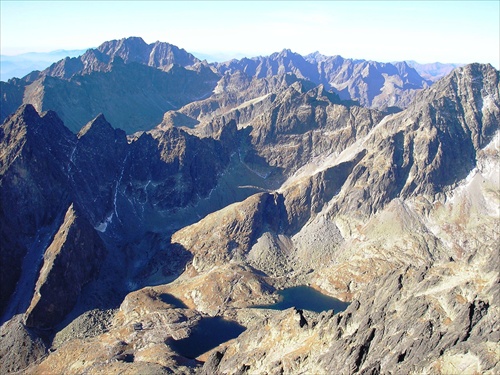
{"type": "Point", "coordinates": [101, 227]}
{"type": "Point", "coordinates": [463, 185]}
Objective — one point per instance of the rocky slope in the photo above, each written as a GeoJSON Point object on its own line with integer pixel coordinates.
{"type": "Point", "coordinates": [251, 190]}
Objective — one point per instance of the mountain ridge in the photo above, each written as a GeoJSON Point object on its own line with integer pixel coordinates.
{"type": "Point", "coordinates": [381, 86]}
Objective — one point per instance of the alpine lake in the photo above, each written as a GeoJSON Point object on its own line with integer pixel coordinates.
{"type": "Point", "coordinates": [213, 331]}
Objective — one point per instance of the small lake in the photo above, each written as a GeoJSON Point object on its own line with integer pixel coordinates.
{"type": "Point", "coordinates": [209, 333]}
{"type": "Point", "coordinates": [306, 298]}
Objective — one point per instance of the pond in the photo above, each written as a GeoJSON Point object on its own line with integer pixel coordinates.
{"type": "Point", "coordinates": [209, 333]}
{"type": "Point", "coordinates": [306, 298]}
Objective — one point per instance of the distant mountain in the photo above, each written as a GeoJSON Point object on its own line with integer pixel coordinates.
{"type": "Point", "coordinates": [131, 50]}
{"type": "Point", "coordinates": [372, 84]}
{"type": "Point", "coordinates": [433, 71]}
{"type": "Point", "coordinates": [134, 83]}
{"type": "Point", "coordinates": [22, 64]}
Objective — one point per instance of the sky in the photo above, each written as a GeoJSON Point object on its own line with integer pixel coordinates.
{"type": "Point", "coordinates": [424, 31]}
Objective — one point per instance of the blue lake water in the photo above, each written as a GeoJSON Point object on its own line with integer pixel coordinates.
{"type": "Point", "coordinates": [209, 333]}
{"type": "Point", "coordinates": [306, 298]}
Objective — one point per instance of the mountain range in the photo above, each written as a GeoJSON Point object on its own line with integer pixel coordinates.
{"type": "Point", "coordinates": [144, 76]}
{"type": "Point", "coordinates": [144, 192]}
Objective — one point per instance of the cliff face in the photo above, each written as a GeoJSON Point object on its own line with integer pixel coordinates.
{"type": "Point", "coordinates": [33, 187]}
{"type": "Point", "coordinates": [115, 247]}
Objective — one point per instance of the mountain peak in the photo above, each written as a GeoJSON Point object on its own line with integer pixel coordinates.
{"type": "Point", "coordinates": [286, 52]}
{"type": "Point", "coordinates": [132, 41]}
{"type": "Point", "coordinates": [27, 111]}
{"type": "Point", "coordinates": [98, 125]}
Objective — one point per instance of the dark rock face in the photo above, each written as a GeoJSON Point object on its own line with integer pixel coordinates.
{"type": "Point", "coordinates": [11, 97]}
{"type": "Point", "coordinates": [95, 166]}
{"type": "Point", "coordinates": [33, 185]}
{"type": "Point", "coordinates": [114, 184]}
{"type": "Point", "coordinates": [134, 96]}
{"type": "Point", "coordinates": [183, 166]}
{"type": "Point", "coordinates": [210, 366]}
{"type": "Point", "coordinates": [71, 261]}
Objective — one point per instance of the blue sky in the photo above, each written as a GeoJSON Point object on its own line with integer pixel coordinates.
{"type": "Point", "coordinates": [425, 31]}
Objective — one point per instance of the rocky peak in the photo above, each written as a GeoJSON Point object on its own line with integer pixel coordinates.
{"type": "Point", "coordinates": [285, 52]}
{"type": "Point", "coordinates": [132, 48]}
{"type": "Point", "coordinates": [163, 54]}
{"type": "Point", "coordinates": [99, 127]}
{"type": "Point", "coordinates": [470, 94]}
{"type": "Point", "coordinates": [26, 122]}
{"type": "Point", "coordinates": [315, 57]}
{"type": "Point", "coordinates": [71, 260]}
{"type": "Point", "coordinates": [158, 54]}
{"type": "Point", "coordinates": [27, 114]}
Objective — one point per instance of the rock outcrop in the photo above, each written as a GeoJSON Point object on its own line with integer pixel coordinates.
{"type": "Point", "coordinates": [33, 189]}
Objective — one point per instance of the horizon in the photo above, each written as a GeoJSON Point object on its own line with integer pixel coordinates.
{"type": "Point", "coordinates": [204, 55]}
{"type": "Point", "coordinates": [454, 32]}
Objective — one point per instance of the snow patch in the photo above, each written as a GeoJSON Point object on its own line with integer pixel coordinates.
{"type": "Point", "coordinates": [101, 227]}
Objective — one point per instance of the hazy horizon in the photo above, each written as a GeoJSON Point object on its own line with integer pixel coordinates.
{"type": "Point", "coordinates": [423, 31]}
{"type": "Point", "coordinates": [17, 66]}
